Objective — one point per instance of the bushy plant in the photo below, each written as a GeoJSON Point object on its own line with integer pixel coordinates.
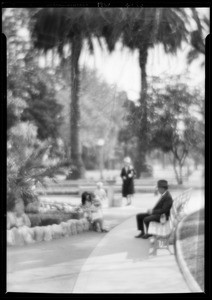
{"type": "Point", "coordinates": [33, 113]}
{"type": "Point", "coordinates": [50, 218]}
{"type": "Point", "coordinates": [26, 163]}
{"type": "Point", "coordinates": [32, 207]}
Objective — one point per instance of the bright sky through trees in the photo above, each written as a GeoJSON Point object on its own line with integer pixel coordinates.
{"type": "Point", "coordinates": [121, 66]}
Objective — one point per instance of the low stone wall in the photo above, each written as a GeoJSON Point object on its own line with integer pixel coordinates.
{"type": "Point", "coordinates": [26, 235]}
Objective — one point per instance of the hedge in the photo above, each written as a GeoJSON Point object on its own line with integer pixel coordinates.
{"type": "Point", "coordinates": [50, 218]}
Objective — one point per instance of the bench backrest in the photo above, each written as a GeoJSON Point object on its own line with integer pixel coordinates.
{"type": "Point", "coordinates": [177, 211]}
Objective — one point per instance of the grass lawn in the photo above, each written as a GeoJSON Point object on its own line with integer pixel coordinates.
{"type": "Point", "coordinates": [192, 243]}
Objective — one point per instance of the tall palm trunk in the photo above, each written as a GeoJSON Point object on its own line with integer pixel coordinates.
{"type": "Point", "coordinates": [142, 146]}
{"type": "Point", "coordinates": [76, 158]}
{"type": "Point", "coordinates": [142, 122]}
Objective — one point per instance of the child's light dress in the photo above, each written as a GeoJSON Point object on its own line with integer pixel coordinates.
{"type": "Point", "coordinates": [102, 196]}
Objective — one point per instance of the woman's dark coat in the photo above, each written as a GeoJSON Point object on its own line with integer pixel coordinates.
{"type": "Point", "coordinates": [128, 183]}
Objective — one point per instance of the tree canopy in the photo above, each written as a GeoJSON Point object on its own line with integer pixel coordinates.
{"type": "Point", "coordinates": [177, 123]}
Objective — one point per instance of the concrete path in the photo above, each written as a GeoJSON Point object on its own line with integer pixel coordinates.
{"type": "Point", "coordinates": [49, 267]}
{"type": "Point", "coordinates": [53, 267]}
{"type": "Point", "coordinates": [91, 262]}
{"type": "Point", "coordinates": [120, 264]}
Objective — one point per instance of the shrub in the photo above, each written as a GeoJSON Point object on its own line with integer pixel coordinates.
{"type": "Point", "coordinates": [35, 219]}
{"type": "Point", "coordinates": [25, 165]}
{"type": "Point", "coordinates": [11, 201]}
{"type": "Point", "coordinates": [61, 171]}
{"type": "Point", "coordinates": [32, 207]}
{"type": "Point", "coordinates": [50, 218]}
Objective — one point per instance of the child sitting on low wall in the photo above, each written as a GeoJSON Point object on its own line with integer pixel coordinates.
{"type": "Point", "coordinates": [96, 214]}
{"type": "Point", "coordinates": [101, 194]}
{"type": "Point", "coordinates": [85, 206]}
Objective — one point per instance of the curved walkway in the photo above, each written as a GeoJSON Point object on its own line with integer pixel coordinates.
{"type": "Point", "coordinates": [49, 267]}
{"type": "Point", "coordinates": [115, 262]}
{"type": "Point", "coordinates": [120, 264]}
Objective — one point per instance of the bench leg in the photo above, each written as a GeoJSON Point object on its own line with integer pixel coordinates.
{"type": "Point", "coordinates": [165, 245]}
{"type": "Point", "coordinates": [160, 243]}
{"type": "Point", "coordinates": [155, 247]}
{"type": "Point", "coordinates": [168, 247]}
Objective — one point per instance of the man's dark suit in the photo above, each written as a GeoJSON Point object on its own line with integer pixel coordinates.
{"type": "Point", "coordinates": [163, 206]}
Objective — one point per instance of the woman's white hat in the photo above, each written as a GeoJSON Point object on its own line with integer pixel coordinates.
{"type": "Point", "coordinates": [127, 160]}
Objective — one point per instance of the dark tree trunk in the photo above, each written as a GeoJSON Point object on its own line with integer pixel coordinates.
{"type": "Point", "coordinates": [142, 145]}
{"type": "Point", "coordinates": [175, 170]}
{"type": "Point", "coordinates": [177, 165]}
{"type": "Point", "coordinates": [76, 157]}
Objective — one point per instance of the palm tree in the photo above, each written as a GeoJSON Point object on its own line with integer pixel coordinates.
{"type": "Point", "coordinates": [197, 40]}
{"type": "Point", "coordinates": [144, 28]}
{"type": "Point", "coordinates": [139, 29]}
{"type": "Point", "coordinates": [55, 28]}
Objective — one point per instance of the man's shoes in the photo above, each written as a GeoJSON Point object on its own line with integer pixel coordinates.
{"type": "Point", "coordinates": [139, 235]}
{"type": "Point", "coordinates": [146, 236]}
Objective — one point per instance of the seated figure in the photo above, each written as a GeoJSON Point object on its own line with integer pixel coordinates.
{"type": "Point", "coordinates": [96, 214]}
{"type": "Point", "coordinates": [162, 207]}
{"type": "Point", "coordinates": [85, 206]}
{"type": "Point", "coordinates": [19, 229]}
{"type": "Point", "coordinates": [92, 210]}
{"type": "Point", "coordinates": [101, 194]}
{"type": "Point", "coordinates": [16, 216]}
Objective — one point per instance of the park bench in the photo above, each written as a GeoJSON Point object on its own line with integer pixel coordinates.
{"type": "Point", "coordinates": [163, 230]}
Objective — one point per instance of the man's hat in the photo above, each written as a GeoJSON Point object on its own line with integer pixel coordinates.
{"type": "Point", "coordinates": [163, 184]}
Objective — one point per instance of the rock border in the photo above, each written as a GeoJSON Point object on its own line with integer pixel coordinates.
{"type": "Point", "coordinates": [27, 235]}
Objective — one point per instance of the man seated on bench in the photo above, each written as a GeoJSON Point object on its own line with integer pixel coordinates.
{"type": "Point", "coordinates": [163, 206]}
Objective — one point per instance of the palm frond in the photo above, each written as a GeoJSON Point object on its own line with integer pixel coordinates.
{"type": "Point", "coordinates": [24, 174]}
{"type": "Point", "coordinates": [197, 41]}
{"type": "Point", "coordinates": [192, 55]}
{"type": "Point", "coordinates": [100, 43]}
{"type": "Point", "coordinates": [90, 45]}
{"type": "Point", "coordinates": [206, 21]}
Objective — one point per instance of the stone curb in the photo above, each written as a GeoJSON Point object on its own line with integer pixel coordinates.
{"type": "Point", "coordinates": [27, 235]}
{"type": "Point", "coordinates": [190, 280]}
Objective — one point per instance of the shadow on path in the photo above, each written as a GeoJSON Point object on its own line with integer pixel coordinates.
{"type": "Point", "coordinates": [120, 264]}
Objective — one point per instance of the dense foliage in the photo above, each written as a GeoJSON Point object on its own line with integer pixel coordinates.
{"type": "Point", "coordinates": [33, 115]}
{"type": "Point", "coordinates": [68, 101]}
{"type": "Point", "coordinates": [175, 122]}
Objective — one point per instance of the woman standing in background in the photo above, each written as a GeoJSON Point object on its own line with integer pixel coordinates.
{"type": "Point", "coordinates": [127, 175]}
